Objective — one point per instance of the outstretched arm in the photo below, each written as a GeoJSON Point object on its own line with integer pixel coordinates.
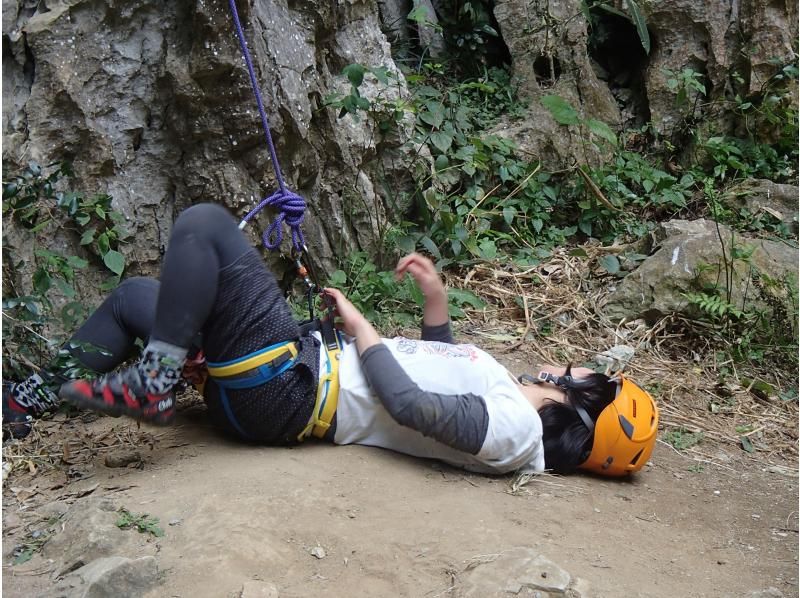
{"type": "Point", "coordinates": [435, 319]}
{"type": "Point", "coordinates": [459, 420]}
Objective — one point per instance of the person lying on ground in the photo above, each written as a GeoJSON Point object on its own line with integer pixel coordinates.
{"type": "Point", "coordinates": [274, 382]}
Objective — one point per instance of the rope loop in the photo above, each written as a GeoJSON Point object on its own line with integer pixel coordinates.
{"type": "Point", "coordinates": [291, 209]}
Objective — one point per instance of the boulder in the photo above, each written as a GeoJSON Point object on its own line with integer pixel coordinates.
{"type": "Point", "coordinates": [688, 256]}
{"type": "Point", "coordinates": [89, 532]}
{"type": "Point", "coordinates": [519, 571]}
{"type": "Point", "coordinates": [110, 577]}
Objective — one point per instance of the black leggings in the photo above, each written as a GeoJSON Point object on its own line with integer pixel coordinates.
{"type": "Point", "coordinates": [204, 241]}
{"type": "Point", "coordinates": [212, 282]}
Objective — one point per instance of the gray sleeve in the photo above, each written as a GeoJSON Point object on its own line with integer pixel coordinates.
{"type": "Point", "coordinates": [459, 421]}
{"type": "Point", "coordinates": [441, 333]}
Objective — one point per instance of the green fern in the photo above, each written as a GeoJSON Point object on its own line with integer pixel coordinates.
{"type": "Point", "coordinates": [714, 306]}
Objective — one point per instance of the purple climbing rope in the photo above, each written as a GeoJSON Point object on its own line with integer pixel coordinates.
{"type": "Point", "coordinates": [291, 207]}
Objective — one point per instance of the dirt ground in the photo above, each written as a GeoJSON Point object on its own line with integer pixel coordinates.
{"type": "Point", "coordinates": [709, 521]}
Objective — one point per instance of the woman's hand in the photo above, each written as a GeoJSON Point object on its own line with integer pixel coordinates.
{"type": "Point", "coordinates": [347, 314]}
{"type": "Point", "coordinates": [351, 321]}
{"type": "Point", "coordinates": [422, 271]}
{"type": "Point", "coordinates": [429, 282]}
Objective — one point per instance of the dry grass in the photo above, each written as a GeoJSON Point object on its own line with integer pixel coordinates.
{"type": "Point", "coordinates": [553, 314]}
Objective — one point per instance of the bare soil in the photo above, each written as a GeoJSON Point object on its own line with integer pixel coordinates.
{"type": "Point", "coordinates": [391, 525]}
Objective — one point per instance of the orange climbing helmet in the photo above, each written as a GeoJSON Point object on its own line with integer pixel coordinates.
{"type": "Point", "coordinates": [624, 433]}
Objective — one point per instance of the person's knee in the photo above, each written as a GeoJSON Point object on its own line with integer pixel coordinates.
{"type": "Point", "coordinates": [203, 218]}
{"type": "Point", "coordinates": [135, 289]}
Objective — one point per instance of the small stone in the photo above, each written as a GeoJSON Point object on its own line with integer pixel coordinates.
{"type": "Point", "coordinates": [174, 522]}
{"type": "Point", "coordinates": [318, 552]}
{"type": "Point", "coordinates": [721, 562]}
{"type": "Point", "coordinates": [258, 589]}
{"type": "Point", "coordinates": [717, 492]}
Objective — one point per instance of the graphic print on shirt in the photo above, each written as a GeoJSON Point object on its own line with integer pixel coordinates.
{"type": "Point", "coordinates": [409, 346]}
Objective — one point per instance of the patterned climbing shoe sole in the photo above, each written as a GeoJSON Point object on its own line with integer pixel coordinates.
{"type": "Point", "coordinates": [111, 395]}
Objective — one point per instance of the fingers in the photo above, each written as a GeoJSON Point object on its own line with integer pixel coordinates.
{"type": "Point", "coordinates": [332, 293]}
{"type": "Point", "coordinates": [415, 264]}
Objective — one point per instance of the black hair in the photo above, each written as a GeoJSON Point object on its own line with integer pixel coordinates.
{"type": "Point", "coordinates": [567, 440]}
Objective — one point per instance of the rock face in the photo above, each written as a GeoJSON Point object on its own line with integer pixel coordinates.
{"type": "Point", "coordinates": [152, 104]}
{"type": "Point", "coordinates": [715, 40]}
{"type": "Point", "coordinates": [689, 257]}
{"type": "Point", "coordinates": [763, 196]}
{"type": "Point", "coordinates": [549, 56]}
{"type": "Point", "coordinates": [603, 70]}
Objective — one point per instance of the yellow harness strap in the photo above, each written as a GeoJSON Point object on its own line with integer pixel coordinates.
{"type": "Point", "coordinates": [252, 361]}
{"type": "Point", "coordinates": [327, 395]}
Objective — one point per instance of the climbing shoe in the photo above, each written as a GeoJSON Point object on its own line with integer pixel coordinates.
{"type": "Point", "coordinates": [16, 419]}
{"type": "Point", "coordinates": [25, 400]}
{"type": "Point", "coordinates": [121, 393]}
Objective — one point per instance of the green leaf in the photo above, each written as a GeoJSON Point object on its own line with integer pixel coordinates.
{"type": "Point", "coordinates": [602, 130]}
{"type": "Point", "coordinates": [381, 74]}
{"type": "Point", "coordinates": [641, 26]}
{"type": "Point", "coordinates": [88, 236]}
{"type": "Point", "coordinates": [464, 297]}
{"type": "Point", "coordinates": [578, 252]}
{"type": "Point", "coordinates": [560, 109]}
{"type": "Point", "coordinates": [419, 15]}
{"type": "Point", "coordinates": [337, 278]}
{"type": "Point", "coordinates": [354, 73]}
{"type": "Point", "coordinates": [509, 213]}
{"type": "Point", "coordinates": [111, 283]}
{"type": "Point", "coordinates": [487, 249]}
{"type": "Point", "coordinates": [73, 261]}
{"type": "Point", "coordinates": [433, 114]}
{"type": "Point", "coordinates": [41, 281]}
{"type": "Point", "coordinates": [428, 244]}
{"type": "Point", "coordinates": [103, 245]}
{"type": "Point", "coordinates": [747, 445]}
{"type": "Point", "coordinates": [114, 261]}
{"type": "Point", "coordinates": [441, 140]}
{"type": "Point", "coordinates": [66, 289]}
{"type": "Point", "coordinates": [72, 314]}
{"type": "Point", "coordinates": [406, 243]}
{"type": "Point", "coordinates": [24, 556]}
{"type": "Point", "coordinates": [441, 162]}
{"type": "Point", "coordinates": [610, 263]}
{"type": "Point", "coordinates": [612, 10]}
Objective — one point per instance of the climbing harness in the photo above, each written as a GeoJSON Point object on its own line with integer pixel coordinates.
{"type": "Point", "coordinates": [252, 370]}
{"type": "Point", "coordinates": [259, 367]}
{"type": "Point", "coordinates": [328, 389]}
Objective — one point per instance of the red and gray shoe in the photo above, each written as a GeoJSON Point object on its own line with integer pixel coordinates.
{"type": "Point", "coordinates": [17, 419]}
{"type": "Point", "coordinates": [116, 394]}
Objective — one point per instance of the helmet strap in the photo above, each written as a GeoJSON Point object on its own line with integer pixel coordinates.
{"type": "Point", "coordinates": [561, 382]}
{"type": "Point", "coordinates": [587, 421]}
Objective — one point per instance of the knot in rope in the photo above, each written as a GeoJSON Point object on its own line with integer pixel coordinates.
{"type": "Point", "coordinates": [291, 209]}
